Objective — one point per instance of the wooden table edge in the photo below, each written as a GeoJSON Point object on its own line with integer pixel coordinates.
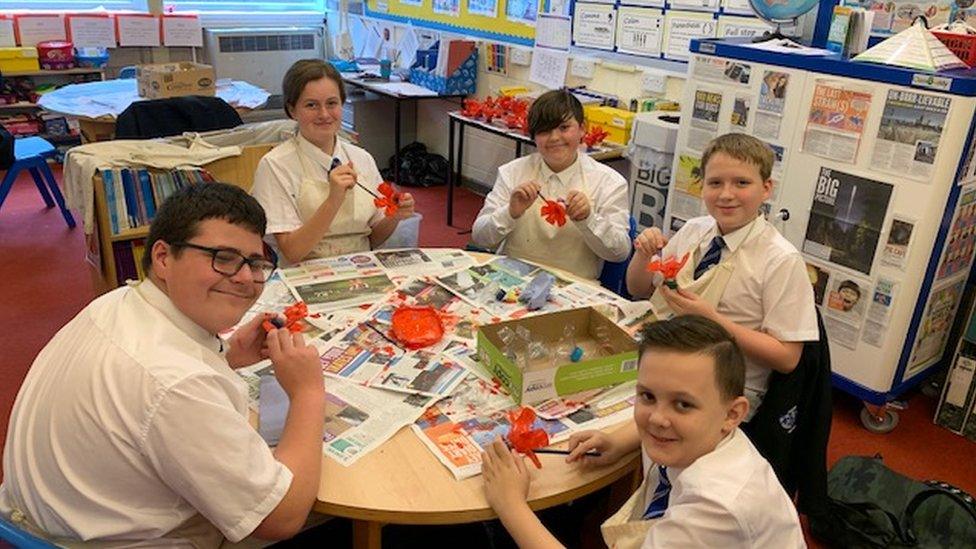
{"type": "Point", "coordinates": [626, 466]}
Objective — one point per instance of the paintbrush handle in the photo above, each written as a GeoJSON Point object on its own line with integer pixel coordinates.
{"type": "Point", "coordinates": [591, 453]}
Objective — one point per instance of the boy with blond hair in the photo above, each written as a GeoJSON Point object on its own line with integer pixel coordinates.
{"type": "Point", "coordinates": [741, 272]}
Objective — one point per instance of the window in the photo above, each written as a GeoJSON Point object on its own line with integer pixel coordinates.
{"type": "Point", "coordinates": [244, 6]}
{"type": "Point", "coordinates": [242, 12]}
{"type": "Point", "coordinates": [73, 5]}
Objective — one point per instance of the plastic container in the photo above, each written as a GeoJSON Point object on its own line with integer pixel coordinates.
{"type": "Point", "coordinates": [93, 58]}
{"type": "Point", "coordinates": [18, 60]}
{"type": "Point", "coordinates": [56, 55]}
{"type": "Point", "coordinates": [406, 235]}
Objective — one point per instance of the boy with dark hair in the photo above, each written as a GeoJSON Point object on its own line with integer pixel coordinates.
{"type": "Point", "coordinates": [595, 197]}
{"type": "Point", "coordinates": [741, 272]}
{"type": "Point", "coordinates": [131, 427]}
{"type": "Point", "coordinates": [705, 485]}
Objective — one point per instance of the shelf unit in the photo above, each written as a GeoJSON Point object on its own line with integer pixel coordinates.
{"type": "Point", "coordinates": [106, 251]}
{"type": "Point", "coordinates": [66, 76]}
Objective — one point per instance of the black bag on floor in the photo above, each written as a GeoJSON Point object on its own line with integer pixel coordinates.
{"type": "Point", "coordinates": [6, 149]}
{"type": "Point", "coordinates": [871, 506]}
{"type": "Point", "coordinates": [418, 168]}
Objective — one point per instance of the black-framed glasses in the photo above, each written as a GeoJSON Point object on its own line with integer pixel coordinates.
{"type": "Point", "coordinates": [229, 262]}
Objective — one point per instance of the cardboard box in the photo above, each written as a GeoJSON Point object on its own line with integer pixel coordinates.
{"type": "Point", "coordinates": [617, 122]}
{"type": "Point", "coordinates": [541, 380]}
{"type": "Point", "coordinates": [175, 79]}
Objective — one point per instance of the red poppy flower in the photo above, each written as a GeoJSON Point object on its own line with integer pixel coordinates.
{"type": "Point", "coordinates": [472, 108]}
{"type": "Point", "coordinates": [523, 437]}
{"type": "Point", "coordinates": [293, 319]}
{"type": "Point", "coordinates": [595, 136]}
{"type": "Point", "coordinates": [389, 201]}
{"type": "Point", "coordinates": [669, 268]}
{"type": "Point", "coordinates": [416, 327]}
{"type": "Point", "coordinates": [554, 212]}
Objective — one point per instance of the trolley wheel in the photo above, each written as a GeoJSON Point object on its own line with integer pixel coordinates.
{"type": "Point", "coordinates": [880, 425]}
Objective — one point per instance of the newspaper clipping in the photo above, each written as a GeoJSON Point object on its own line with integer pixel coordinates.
{"type": "Point", "coordinates": [846, 217]}
{"type": "Point", "coordinates": [936, 322]}
{"type": "Point", "coordinates": [908, 138]}
{"type": "Point", "coordinates": [836, 122]}
{"type": "Point", "coordinates": [960, 245]}
{"type": "Point", "coordinates": [772, 101]}
{"type": "Point", "coordinates": [704, 118]}
{"type": "Point", "coordinates": [896, 248]}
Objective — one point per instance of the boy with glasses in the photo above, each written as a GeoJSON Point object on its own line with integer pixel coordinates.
{"type": "Point", "coordinates": [131, 426]}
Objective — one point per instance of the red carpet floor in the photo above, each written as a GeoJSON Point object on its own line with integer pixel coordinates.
{"type": "Point", "coordinates": [45, 282]}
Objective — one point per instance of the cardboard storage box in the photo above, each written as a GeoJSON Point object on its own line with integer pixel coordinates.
{"type": "Point", "coordinates": [175, 79]}
{"type": "Point", "coordinates": [541, 380]}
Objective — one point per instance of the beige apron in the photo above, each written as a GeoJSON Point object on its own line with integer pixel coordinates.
{"type": "Point", "coordinates": [710, 286]}
{"type": "Point", "coordinates": [350, 230]}
{"type": "Point", "coordinates": [196, 533]}
{"type": "Point", "coordinates": [563, 247]}
{"type": "Point", "coordinates": [625, 529]}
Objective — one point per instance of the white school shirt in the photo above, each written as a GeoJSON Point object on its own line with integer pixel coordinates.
{"type": "Point", "coordinates": [278, 178]}
{"type": "Point", "coordinates": [769, 290]}
{"type": "Point", "coordinates": [605, 231]}
{"type": "Point", "coordinates": [727, 498]}
{"type": "Point", "coordinates": [129, 423]}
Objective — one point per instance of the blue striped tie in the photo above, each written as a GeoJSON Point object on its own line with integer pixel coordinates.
{"type": "Point", "coordinates": [711, 257]}
{"type": "Point", "coordinates": [659, 501]}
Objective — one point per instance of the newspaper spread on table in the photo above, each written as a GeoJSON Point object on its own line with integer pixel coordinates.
{"type": "Point", "coordinates": [375, 387]}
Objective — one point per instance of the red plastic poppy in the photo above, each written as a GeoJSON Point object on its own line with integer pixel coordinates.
{"type": "Point", "coordinates": [595, 136]}
{"type": "Point", "coordinates": [554, 212]}
{"type": "Point", "coordinates": [472, 108]}
{"type": "Point", "coordinates": [293, 319]}
{"type": "Point", "coordinates": [523, 437]}
{"type": "Point", "coordinates": [389, 201]}
{"type": "Point", "coordinates": [417, 327]}
{"type": "Point", "coordinates": [669, 267]}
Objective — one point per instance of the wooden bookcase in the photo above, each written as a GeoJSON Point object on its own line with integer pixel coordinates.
{"type": "Point", "coordinates": [237, 170]}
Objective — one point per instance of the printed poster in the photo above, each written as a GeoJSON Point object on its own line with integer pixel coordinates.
{"type": "Point", "coordinates": [742, 27]}
{"type": "Point", "coordinates": [688, 177]}
{"type": "Point", "coordinates": [846, 218]}
{"type": "Point", "coordinates": [769, 107]}
{"type": "Point", "coordinates": [847, 298]}
{"type": "Point", "coordinates": [486, 8]}
{"type": "Point", "coordinates": [908, 137]}
{"type": "Point", "coordinates": [960, 243]}
{"type": "Point", "coordinates": [681, 27]}
{"type": "Point", "coordinates": [896, 248]}
{"type": "Point", "coordinates": [740, 113]}
{"type": "Point", "coordinates": [639, 31]}
{"type": "Point", "coordinates": [594, 25]}
{"type": "Point", "coordinates": [819, 277]}
{"type": "Point", "coordinates": [835, 122]}
{"type": "Point", "coordinates": [521, 11]}
{"type": "Point", "coordinates": [447, 7]}
{"type": "Point", "coordinates": [933, 332]}
{"type": "Point", "coordinates": [723, 71]}
{"type": "Point", "coordinates": [704, 118]}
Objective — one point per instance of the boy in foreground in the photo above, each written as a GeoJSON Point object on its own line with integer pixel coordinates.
{"type": "Point", "coordinates": [705, 485]}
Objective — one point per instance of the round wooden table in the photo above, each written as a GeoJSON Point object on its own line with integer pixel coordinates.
{"type": "Point", "coordinates": [402, 482]}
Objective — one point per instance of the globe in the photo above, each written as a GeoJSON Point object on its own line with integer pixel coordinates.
{"type": "Point", "coordinates": [779, 12]}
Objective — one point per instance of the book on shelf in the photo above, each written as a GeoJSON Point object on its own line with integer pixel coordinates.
{"type": "Point", "coordinates": [133, 195]}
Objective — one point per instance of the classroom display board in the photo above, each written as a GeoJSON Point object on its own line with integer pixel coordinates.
{"type": "Point", "coordinates": [510, 21]}
{"type": "Point", "coordinates": [657, 29]}
{"type": "Point", "coordinates": [879, 183]}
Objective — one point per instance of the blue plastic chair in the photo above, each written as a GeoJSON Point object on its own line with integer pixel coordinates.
{"type": "Point", "coordinates": [31, 153]}
{"type": "Point", "coordinates": [613, 274]}
{"type": "Point", "coordinates": [19, 538]}
{"type": "Point", "coordinates": [127, 73]}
